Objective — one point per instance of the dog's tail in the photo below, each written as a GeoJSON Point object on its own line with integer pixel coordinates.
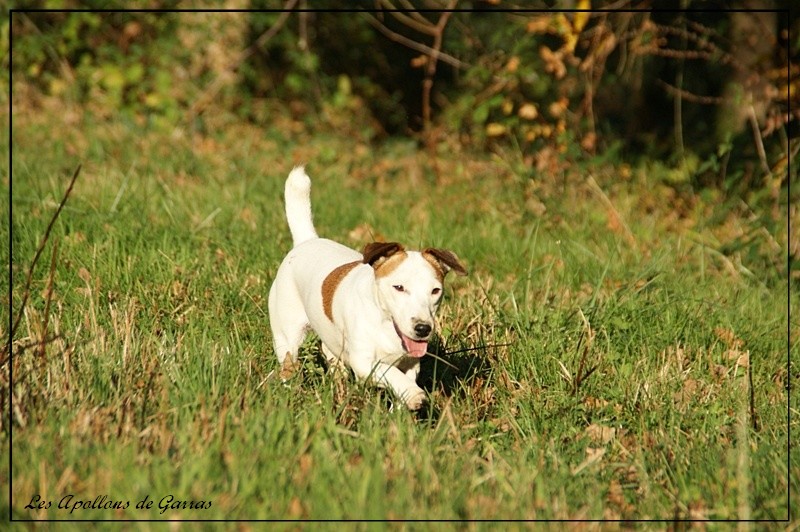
{"type": "Point", "coordinates": [298, 206]}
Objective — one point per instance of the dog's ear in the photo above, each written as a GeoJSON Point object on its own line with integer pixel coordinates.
{"type": "Point", "coordinates": [376, 252]}
{"type": "Point", "coordinates": [445, 259]}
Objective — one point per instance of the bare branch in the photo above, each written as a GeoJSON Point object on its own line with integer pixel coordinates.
{"type": "Point", "coordinates": [412, 11]}
{"type": "Point", "coordinates": [680, 54]}
{"type": "Point", "coordinates": [270, 33]}
{"type": "Point", "coordinates": [762, 154]}
{"type": "Point", "coordinates": [414, 45]}
{"type": "Point", "coordinates": [690, 97]}
{"type": "Point", "coordinates": [414, 21]}
{"type": "Point", "coordinates": [430, 70]}
{"type": "Point", "coordinates": [706, 44]}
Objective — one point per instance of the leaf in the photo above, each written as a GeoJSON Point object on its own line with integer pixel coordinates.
{"type": "Point", "coordinates": [553, 62]}
{"type": "Point", "coordinates": [481, 113]}
{"type": "Point", "coordinates": [593, 455]}
{"type": "Point", "coordinates": [513, 64]}
{"type": "Point", "coordinates": [600, 433]}
{"type": "Point", "coordinates": [528, 111]}
{"type": "Point", "coordinates": [620, 323]}
{"type": "Point", "coordinates": [728, 337]}
{"type": "Point", "coordinates": [495, 130]}
{"type": "Point", "coordinates": [581, 17]}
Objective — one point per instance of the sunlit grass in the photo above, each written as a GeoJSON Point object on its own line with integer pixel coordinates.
{"type": "Point", "coordinates": [596, 363]}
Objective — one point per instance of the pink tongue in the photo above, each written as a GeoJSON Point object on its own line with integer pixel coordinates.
{"type": "Point", "coordinates": [415, 349]}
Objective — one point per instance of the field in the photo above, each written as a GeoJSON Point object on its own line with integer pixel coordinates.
{"type": "Point", "coordinates": [618, 350]}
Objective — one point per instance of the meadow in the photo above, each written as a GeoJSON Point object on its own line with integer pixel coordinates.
{"type": "Point", "coordinates": [618, 350]}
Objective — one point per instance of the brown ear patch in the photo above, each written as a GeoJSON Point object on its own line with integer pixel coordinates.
{"type": "Point", "coordinates": [384, 257]}
{"type": "Point", "coordinates": [331, 283]}
{"type": "Point", "coordinates": [377, 251]}
{"type": "Point", "coordinates": [443, 261]}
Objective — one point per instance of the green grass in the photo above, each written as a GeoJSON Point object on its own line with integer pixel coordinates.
{"type": "Point", "coordinates": [590, 369]}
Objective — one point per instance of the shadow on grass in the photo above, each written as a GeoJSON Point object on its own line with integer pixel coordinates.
{"type": "Point", "coordinates": [447, 369]}
{"type": "Point", "coordinates": [450, 370]}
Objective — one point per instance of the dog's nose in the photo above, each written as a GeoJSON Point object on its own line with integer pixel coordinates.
{"type": "Point", "coordinates": [422, 330]}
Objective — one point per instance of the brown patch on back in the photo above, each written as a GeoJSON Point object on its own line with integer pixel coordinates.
{"type": "Point", "coordinates": [331, 283]}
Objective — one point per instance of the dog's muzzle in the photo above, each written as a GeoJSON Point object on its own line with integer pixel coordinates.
{"type": "Point", "coordinates": [415, 348]}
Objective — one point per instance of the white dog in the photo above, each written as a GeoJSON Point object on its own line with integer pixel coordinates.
{"type": "Point", "coordinates": [374, 312]}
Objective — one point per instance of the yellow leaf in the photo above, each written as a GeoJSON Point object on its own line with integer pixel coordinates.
{"type": "Point", "coordinates": [540, 25]}
{"type": "Point", "coordinates": [581, 17]}
{"type": "Point", "coordinates": [419, 61]}
{"type": "Point", "coordinates": [495, 130]}
{"type": "Point", "coordinates": [528, 111]}
{"type": "Point", "coordinates": [513, 64]}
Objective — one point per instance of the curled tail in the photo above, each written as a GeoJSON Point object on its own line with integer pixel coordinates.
{"type": "Point", "coordinates": [298, 206]}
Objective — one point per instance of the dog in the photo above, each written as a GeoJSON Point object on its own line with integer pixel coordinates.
{"type": "Point", "coordinates": [374, 311]}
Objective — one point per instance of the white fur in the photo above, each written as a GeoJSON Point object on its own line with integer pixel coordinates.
{"type": "Point", "coordinates": [298, 206]}
{"type": "Point", "coordinates": [365, 308]}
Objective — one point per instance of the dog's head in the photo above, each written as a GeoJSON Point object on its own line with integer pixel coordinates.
{"type": "Point", "coordinates": [409, 287]}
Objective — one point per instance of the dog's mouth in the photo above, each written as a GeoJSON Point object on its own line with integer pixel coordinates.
{"type": "Point", "coordinates": [414, 348]}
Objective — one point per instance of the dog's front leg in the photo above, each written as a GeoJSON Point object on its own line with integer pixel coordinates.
{"type": "Point", "coordinates": [412, 373]}
{"type": "Point", "coordinates": [387, 375]}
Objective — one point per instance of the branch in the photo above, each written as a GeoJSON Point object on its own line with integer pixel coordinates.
{"type": "Point", "coordinates": [690, 97]}
{"type": "Point", "coordinates": [415, 21]}
{"type": "Point", "coordinates": [762, 155]}
{"type": "Point", "coordinates": [430, 69]}
{"type": "Point", "coordinates": [709, 47]}
{"type": "Point", "coordinates": [270, 33]}
{"type": "Point", "coordinates": [413, 12]}
{"type": "Point", "coordinates": [414, 45]}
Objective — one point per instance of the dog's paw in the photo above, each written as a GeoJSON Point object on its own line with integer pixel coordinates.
{"type": "Point", "coordinates": [288, 369]}
{"type": "Point", "coordinates": [414, 399]}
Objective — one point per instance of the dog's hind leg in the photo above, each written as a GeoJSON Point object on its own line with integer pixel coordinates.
{"type": "Point", "coordinates": [287, 340]}
{"type": "Point", "coordinates": [289, 324]}
{"type": "Point", "coordinates": [335, 363]}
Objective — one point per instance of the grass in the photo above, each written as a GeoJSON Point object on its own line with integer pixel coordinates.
{"type": "Point", "coordinates": [596, 364]}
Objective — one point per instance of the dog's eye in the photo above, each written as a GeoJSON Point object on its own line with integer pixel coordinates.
{"type": "Point", "coordinates": [399, 288]}
{"type": "Point", "coordinates": [436, 291]}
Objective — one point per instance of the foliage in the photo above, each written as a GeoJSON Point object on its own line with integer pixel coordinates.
{"type": "Point", "coordinates": [113, 62]}
{"type": "Point", "coordinates": [661, 84]}
{"type": "Point", "coordinates": [596, 79]}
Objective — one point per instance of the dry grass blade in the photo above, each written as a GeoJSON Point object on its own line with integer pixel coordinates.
{"type": "Point", "coordinates": [37, 255]}
{"type": "Point", "coordinates": [583, 373]}
{"type": "Point", "coordinates": [48, 299]}
{"type": "Point", "coordinates": [443, 361]}
{"type": "Point", "coordinates": [612, 211]}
